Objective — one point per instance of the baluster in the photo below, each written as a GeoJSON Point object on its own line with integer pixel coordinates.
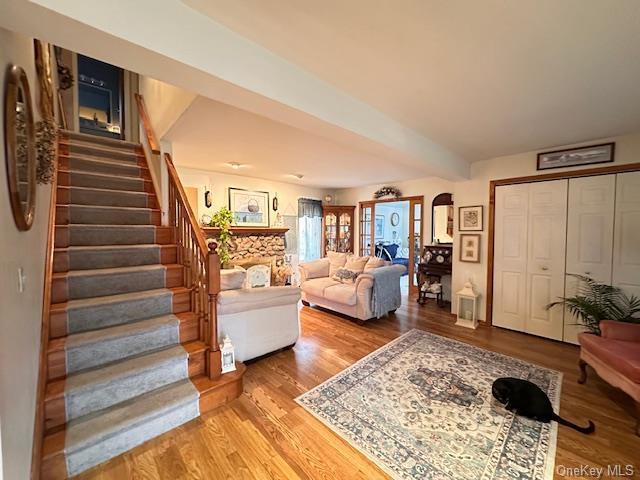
{"type": "Point", "coordinates": [213, 283]}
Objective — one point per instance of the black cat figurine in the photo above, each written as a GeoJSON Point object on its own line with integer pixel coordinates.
{"type": "Point", "coordinates": [527, 399]}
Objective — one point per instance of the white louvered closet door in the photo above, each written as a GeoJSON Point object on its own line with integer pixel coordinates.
{"type": "Point", "coordinates": [510, 256]}
{"type": "Point", "coordinates": [626, 252]}
{"type": "Point", "coordinates": [589, 237]}
{"type": "Point", "coordinates": [546, 260]}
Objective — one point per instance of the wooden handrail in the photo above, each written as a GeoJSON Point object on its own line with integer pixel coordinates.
{"type": "Point", "coordinates": [38, 429]}
{"type": "Point", "coordinates": [146, 124]}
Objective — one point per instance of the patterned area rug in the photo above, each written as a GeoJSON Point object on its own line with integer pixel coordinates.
{"type": "Point", "coordinates": [421, 408]}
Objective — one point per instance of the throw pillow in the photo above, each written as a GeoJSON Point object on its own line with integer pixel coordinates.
{"type": "Point", "coordinates": [336, 260]}
{"type": "Point", "coordinates": [375, 262]}
{"type": "Point", "coordinates": [356, 264]}
{"type": "Point", "coordinates": [345, 275]}
{"type": "Point", "coordinates": [232, 278]}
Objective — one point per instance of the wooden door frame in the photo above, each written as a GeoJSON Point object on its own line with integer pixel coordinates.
{"type": "Point", "coordinates": [587, 172]}
{"type": "Point", "coordinates": [413, 200]}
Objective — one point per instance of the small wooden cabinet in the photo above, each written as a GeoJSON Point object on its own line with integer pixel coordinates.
{"type": "Point", "coordinates": [337, 228]}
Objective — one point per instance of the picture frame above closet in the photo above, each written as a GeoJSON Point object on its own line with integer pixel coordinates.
{"type": "Point", "coordinates": [574, 157]}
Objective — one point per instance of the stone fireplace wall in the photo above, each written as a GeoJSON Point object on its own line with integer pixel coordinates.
{"type": "Point", "coordinates": [245, 247]}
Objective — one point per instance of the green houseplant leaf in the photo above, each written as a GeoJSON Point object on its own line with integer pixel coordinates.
{"type": "Point", "coordinates": [223, 219]}
{"type": "Point", "coordinates": [595, 301]}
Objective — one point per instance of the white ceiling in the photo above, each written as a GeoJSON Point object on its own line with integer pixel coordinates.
{"type": "Point", "coordinates": [483, 78]}
{"type": "Point", "coordinates": [210, 135]}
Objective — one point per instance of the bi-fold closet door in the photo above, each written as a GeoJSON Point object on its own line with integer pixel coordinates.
{"type": "Point", "coordinates": [547, 231]}
{"type": "Point", "coordinates": [529, 256]}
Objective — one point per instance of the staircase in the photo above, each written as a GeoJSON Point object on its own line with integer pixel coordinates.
{"type": "Point", "coordinates": [125, 360]}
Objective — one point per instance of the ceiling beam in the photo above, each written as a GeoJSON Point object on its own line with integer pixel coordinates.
{"type": "Point", "coordinates": [176, 44]}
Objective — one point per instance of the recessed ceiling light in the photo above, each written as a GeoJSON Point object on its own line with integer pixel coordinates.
{"type": "Point", "coordinates": [234, 165]}
{"type": "Point", "coordinates": [299, 176]}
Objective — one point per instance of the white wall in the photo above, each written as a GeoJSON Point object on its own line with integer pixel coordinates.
{"type": "Point", "coordinates": [165, 103]}
{"type": "Point", "coordinates": [402, 229]}
{"type": "Point", "coordinates": [476, 192]}
{"type": "Point", "coordinates": [219, 183]}
{"type": "Point", "coordinates": [430, 187]}
{"type": "Point", "coordinates": [20, 313]}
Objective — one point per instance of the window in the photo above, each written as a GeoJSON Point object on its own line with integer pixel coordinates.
{"type": "Point", "coordinates": [309, 228]}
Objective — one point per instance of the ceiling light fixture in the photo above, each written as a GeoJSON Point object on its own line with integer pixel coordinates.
{"type": "Point", "coordinates": [299, 176]}
{"type": "Point", "coordinates": [234, 165]}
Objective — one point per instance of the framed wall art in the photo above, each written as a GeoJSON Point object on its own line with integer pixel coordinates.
{"type": "Point", "coordinates": [470, 247]}
{"type": "Point", "coordinates": [250, 208]}
{"type": "Point", "coordinates": [470, 219]}
{"type": "Point", "coordinates": [573, 157]}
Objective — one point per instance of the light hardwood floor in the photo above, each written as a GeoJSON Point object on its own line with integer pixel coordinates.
{"type": "Point", "coordinates": [265, 434]}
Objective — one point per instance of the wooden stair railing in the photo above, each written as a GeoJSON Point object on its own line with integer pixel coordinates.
{"type": "Point", "coordinates": [201, 263]}
{"type": "Point", "coordinates": [202, 267]}
{"type": "Point", "coordinates": [39, 427]}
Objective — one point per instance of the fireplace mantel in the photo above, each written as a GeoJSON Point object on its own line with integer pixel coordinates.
{"type": "Point", "coordinates": [248, 230]}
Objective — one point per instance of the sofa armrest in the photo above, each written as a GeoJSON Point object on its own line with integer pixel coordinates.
{"type": "Point", "coordinates": [620, 330]}
{"type": "Point", "coordinates": [314, 269]}
{"type": "Point", "coordinates": [364, 281]}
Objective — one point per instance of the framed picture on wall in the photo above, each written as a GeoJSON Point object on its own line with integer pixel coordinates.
{"type": "Point", "coordinates": [470, 219]}
{"type": "Point", "coordinates": [574, 157]}
{"type": "Point", "coordinates": [470, 247]}
{"type": "Point", "coordinates": [250, 208]}
{"type": "Point", "coordinates": [379, 227]}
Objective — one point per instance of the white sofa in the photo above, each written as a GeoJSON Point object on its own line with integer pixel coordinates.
{"type": "Point", "coordinates": [355, 299]}
{"type": "Point", "coordinates": [258, 320]}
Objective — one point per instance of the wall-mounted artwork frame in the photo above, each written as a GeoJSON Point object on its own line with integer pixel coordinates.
{"type": "Point", "coordinates": [574, 157]}
{"type": "Point", "coordinates": [471, 219]}
{"type": "Point", "coordinates": [250, 208]}
{"type": "Point", "coordinates": [470, 247]}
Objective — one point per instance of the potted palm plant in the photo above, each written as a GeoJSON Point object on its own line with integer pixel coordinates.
{"type": "Point", "coordinates": [595, 301]}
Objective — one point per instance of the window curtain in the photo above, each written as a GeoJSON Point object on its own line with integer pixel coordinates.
{"type": "Point", "coordinates": [310, 229]}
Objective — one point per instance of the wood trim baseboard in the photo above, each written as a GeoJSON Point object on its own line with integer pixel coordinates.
{"type": "Point", "coordinates": [586, 172]}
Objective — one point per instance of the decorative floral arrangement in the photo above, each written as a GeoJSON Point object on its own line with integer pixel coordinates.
{"type": "Point", "coordinates": [46, 135]}
{"type": "Point", "coordinates": [223, 219]}
{"type": "Point", "coordinates": [387, 191]}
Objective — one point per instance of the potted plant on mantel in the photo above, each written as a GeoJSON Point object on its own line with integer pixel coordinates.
{"type": "Point", "coordinates": [596, 301]}
{"type": "Point", "coordinates": [223, 219]}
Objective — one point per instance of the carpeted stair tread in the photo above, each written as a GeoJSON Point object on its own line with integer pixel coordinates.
{"type": "Point", "coordinates": [91, 164]}
{"type": "Point", "coordinates": [94, 234]}
{"type": "Point", "coordinates": [74, 136]}
{"type": "Point", "coordinates": [102, 435]}
{"type": "Point", "coordinates": [102, 387]}
{"type": "Point", "coordinates": [82, 178]}
{"type": "Point", "coordinates": [107, 215]}
{"type": "Point", "coordinates": [108, 197]}
{"type": "Point", "coordinates": [98, 151]}
{"type": "Point", "coordinates": [87, 257]}
{"type": "Point", "coordinates": [98, 347]}
{"type": "Point", "coordinates": [113, 281]}
{"type": "Point", "coordinates": [100, 312]}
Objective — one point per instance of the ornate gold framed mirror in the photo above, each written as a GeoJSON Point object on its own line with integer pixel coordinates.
{"type": "Point", "coordinates": [20, 147]}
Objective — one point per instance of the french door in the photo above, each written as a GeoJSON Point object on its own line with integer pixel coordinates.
{"type": "Point", "coordinates": [367, 231]}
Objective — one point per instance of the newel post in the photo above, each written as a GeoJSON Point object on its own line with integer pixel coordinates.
{"type": "Point", "coordinates": [214, 363]}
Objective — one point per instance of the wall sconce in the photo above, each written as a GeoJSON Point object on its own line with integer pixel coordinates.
{"type": "Point", "coordinates": [207, 198]}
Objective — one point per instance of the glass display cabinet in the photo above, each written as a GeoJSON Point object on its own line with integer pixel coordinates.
{"type": "Point", "coordinates": [337, 228]}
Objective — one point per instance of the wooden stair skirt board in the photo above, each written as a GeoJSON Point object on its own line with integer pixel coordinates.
{"type": "Point", "coordinates": [124, 360]}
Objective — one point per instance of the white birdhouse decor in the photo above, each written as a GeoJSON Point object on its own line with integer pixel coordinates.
{"type": "Point", "coordinates": [228, 356]}
{"type": "Point", "coordinates": [467, 306]}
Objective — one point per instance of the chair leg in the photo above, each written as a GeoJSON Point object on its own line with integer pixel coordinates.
{"type": "Point", "coordinates": [583, 371]}
{"type": "Point", "coordinates": [637, 418]}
